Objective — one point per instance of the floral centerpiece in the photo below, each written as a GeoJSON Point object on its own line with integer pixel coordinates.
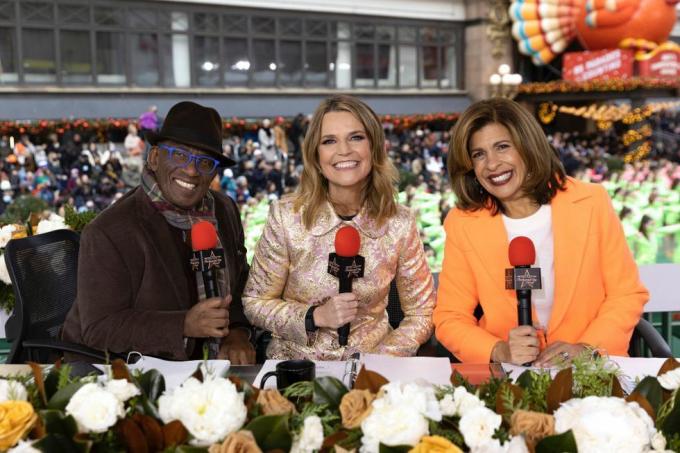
{"type": "Point", "coordinates": [583, 408]}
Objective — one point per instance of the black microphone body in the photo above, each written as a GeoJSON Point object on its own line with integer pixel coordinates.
{"type": "Point", "coordinates": [524, 304]}
{"type": "Point", "coordinates": [523, 279]}
{"type": "Point", "coordinates": [345, 269]}
{"type": "Point", "coordinates": [207, 262]}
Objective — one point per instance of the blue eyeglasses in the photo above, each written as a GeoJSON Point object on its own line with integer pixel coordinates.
{"type": "Point", "coordinates": [182, 158]}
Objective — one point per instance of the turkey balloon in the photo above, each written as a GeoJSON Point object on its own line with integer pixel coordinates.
{"type": "Point", "coordinates": [544, 28]}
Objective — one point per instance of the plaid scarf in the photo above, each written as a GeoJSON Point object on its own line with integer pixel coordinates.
{"type": "Point", "coordinates": [183, 219]}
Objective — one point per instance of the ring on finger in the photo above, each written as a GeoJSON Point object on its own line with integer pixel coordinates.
{"type": "Point", "coordinates": [564, 355]}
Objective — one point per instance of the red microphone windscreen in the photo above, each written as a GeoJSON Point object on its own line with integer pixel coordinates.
{"type": "Point", "coordinates": [347, 242]}
{"type": "Point", "coordinates": [522, 251]}
{"type": "Point", "coordinates": [203, 236]}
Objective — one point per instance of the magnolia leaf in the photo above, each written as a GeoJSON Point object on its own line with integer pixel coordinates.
{"type": "Point", "coordinates": [458, 380]}
{"type": "Point", "coordinates": [58, 443]}
{"type": "Point", "coordinates": [525, 380]}
{"type": "Point", "coordinates": [669, 365]}
{"type": "Point", "coordinates": [564, 443]}
{"type": "Point", "coordinates": [671, 425]}
{"type": "Point", "coordinates": [174, 433]}
{"type": "Point", "coordinates": [328, 390]}
{"type": "Point", "coordinates": [517, 394]}
{"type": "Point", "coordinates": [333, 439]}
{"type": "Point", "coordinates": [650, 388]}
{"type": "Point", "coordinates": [560, 389]}
{"type": "Point", "coordinates": [250, 393]}
{"type": "Point", "coordinates": [131, 435]}
{"type": "Point", "coordinates": [271, 432]}
{"type": "Point", "coordinates": [152, 431]}
{"type": "Point", "coordinates": [60, 399]}
{"type": "Point", "coordinates": [637, 397]}
{"type": "Point", "coordinates": [39, 382]}
{"type": "Point", "coordinates": [51, 382]}
{"type": "Point", "coordinates": [190, 449]}
{"type": "Point", "coordinates": [120, 370]}
{"type": "Point", "coordinates": [57, 422]}
{"type": "Point", "coordinates": [369, 380]}
{"type": "Point", "coordinates": [152, 384]}
{"type": "Point", "coordinates": [617, 390]}
{"type": "Point", "coordinates": [145, 406]}
{"type": "Point", "coordinates": [394, 449]}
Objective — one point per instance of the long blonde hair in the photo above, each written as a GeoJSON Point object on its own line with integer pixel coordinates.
{"type": "Point", "coordinates": [380, 191]}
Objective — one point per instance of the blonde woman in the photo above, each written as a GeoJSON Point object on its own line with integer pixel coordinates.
{"type": "Point", "coordinates": [347, 180]}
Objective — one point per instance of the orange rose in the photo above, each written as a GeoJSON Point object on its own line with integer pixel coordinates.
{"type": "Point", "coordinates": [435, 444]}
{"type": "Point", "coordinates": [533, 425]}
{"type": "Point", "coordinates": [273, 403]}
{"type": "Point", "coordinates": [16, 420]}
{"type": "Point", "coordinates": [355, 406]}
{"type": "Point", "coordinates": [238, 442]}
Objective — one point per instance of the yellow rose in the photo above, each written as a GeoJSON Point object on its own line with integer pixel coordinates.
{"type": "Point", "coordinates": [273, 403]}
{"type": "Point", "coordinates": [435, 444]}
{"type": "Point", "coordinates": [16, 419]}
{"type": "Point", "coordinates": [19, 232]}
{"type": "Point", "coordinates": [533, 425]}
{"type": "Point", "coordinates": [238, 442]}
{"type": "Point", "coordinates": [355, 406]}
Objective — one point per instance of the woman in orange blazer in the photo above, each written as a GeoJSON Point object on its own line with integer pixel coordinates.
{"type": "Point", "coordinates": [509, 182]}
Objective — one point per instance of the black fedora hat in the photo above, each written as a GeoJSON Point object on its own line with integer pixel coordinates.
{"type": "Point", "coordinates": [194, 125]}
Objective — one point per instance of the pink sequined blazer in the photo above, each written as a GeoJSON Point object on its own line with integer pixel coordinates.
{"type": "Point", "coordinates": [289, 274]}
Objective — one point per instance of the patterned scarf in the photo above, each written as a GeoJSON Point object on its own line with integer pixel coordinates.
{"type": "Point", "coordinates": [183, 219]}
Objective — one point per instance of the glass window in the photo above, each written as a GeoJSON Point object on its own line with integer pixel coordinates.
{"type": "Point", "coordinates": [175, 60]}
{"type": "Point", "coordinates": [344, 30]}
{"type": "Point", "coordinates": [265, 62]}
{"type": "Point", "coordinates": [447, 35]}
{"type": "Point", "coordinates": [8, 72]}
{"type": "Point", "coordinates": [365, 69]}
{"type": "Point", "coordinates": [408, 34]}
{"type": "Point", "coordinates": [387, 73]}
{"type": "Point", "coordinates": [235, 24]}
{"type": "Point", "coordinates": [144, 59]}
{"type": "Point", "coordinates": [140, 19]}
{"type": "Point", "coordinates": [428, 35]}
{"type": "Point", "coordinates": [364, 31]}
{"type": "Point", "coordinates": [236, 61]}
{"type": "Point", "coordinates": [207, 23]}
{"type": "Point", "coordinates": [316, 66]}
{"type": "Point", "coordinates": [76, 66]}
{"type": "Point", "coordinates": [316, 28]}
{"type": "Point", "coordinates": [38, 56]}
{"type": "Point", "coordinates": [180, 21]}
{"type": "Point", "coordinates": [207, 61]}
{"type": "Point", "coordinates": [342, 65]}
{"type": "Point", "coordinates": [109, 16]}
{"type": "Point", "coordinates": [290, 68]}
{"type": "Point", "coordinates": [408, 63]}
{"type": "Point", "coordinates": [264, 25]}
{"type": "Point", "coordinates": [110, 52]}
{"type": "Point", "coordinates": [429, 71]}
{"type": "Point", "coordinates": [449, 68]}
{"type": "Point", "coordinates": [74, 14]}
{"type": "Point", "coordinates": [291, 27]}
{"type": "Point", "coordinates": [37, 12]}
{"type": "Point", "coordinates": [7, 11]}
{"type": "Point", "coordinates": [384, 32]}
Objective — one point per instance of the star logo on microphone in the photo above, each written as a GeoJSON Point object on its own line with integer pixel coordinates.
{"type": "Point", "coordinates": [353, 270]}
{"type": "Point", "coordinates": [334, 267]}
{"type": "Point", "coordinates": [195, 262]}
{"type": "Point", "coordinates": [213, 260]}
{"type": "Point", "coordinates": [527, 280]}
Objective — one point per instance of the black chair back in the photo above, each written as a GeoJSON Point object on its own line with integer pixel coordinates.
{"type": "Point", "coordinates": [44, 270]}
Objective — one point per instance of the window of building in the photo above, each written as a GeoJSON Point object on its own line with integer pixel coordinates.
{"type": "Point", "coordinates": [110, 54]}
{"type": "Point", "coordinates": [8, 71]}
{"type": "Point", "coordinates": [76, 66]}
{"type": "Point", "coordinates": [236, 61]}
{"type": "Point", "coordinates": [39, 65]}
{"type": "Point", "coordinates": [207, 61]}
{"type": "Point", "coordinates": [144, 59]}
{"type": "Point", "coordinates": [316, 64]}
{"type": "Point", "coordinates": [264, 62]}
{"type": "Point", "coordinates": [290, 63]}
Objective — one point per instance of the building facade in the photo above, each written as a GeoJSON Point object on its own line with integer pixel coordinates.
{"type": "Point", "coordinates": [104, 58]}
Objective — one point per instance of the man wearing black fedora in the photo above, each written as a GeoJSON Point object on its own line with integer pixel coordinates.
{"type": "Point", "coordinates": [136, 288]}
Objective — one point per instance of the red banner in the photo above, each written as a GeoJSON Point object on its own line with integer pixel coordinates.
{"type": "Point", "coordinates": [664, 64]}
{"type": "Point", "coordinates": [598, 64]}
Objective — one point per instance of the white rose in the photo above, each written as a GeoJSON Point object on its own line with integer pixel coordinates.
{"type": "Point", "coordinates": [418, 397]}
{"type": "Point", "coordinates": [392, 425]}
{"type": "Point", "coordinates": [23, 447]}
{"type": "Point", "coordinates": [209, 410]}
{"type": "Point", "coordinates": [670, 380]}
{"type": "Point", "coordinates": [122, 389]}
{"type": "Point", "coordinates": [12, 390]}
{"type": "Point", "coordinates": [514, 445]}
{"type": "Point", "coordinates": [6, 234]}
{"type": "Point", "coordinates": [311, 437]}
{"type": "Point", "coordinates": [45, 226]}
{"type": "Point", "coordinates": [4, 272]}
{"type": "Point", "coordinates": [94, 409]}
{"type": "Point", "coordinates": [478, 425]}
{"type": "Point", "coordinates": [447, 406]}
{"type": "Point", "coordinates": [603, 424]}
{"type": "Point", "coordinates": [467, 402]}
{"type": "Point", "coordinates": [658, 442]}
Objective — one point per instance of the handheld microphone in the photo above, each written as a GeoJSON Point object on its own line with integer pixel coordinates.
{"type": "Point", "coordinates": [523, 278]}
{"type": "Point", "coordinates": [207, 258]}
{"type": "Point", "coordinates": [346, 264]}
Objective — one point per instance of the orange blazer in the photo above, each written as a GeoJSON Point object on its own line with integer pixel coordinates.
{"type": "Point", "coordinates": [598, 294]}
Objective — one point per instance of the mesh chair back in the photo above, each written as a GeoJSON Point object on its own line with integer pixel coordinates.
{"type": "Point", "coordinates": [44, 270]}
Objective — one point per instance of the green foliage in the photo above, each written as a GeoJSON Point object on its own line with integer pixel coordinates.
{"type": "Point", "coordinates": [565, 443]}
{"type": "Point", "coordinates": [6, 295]}
{"type": "Point", "coordinates": [353, 439]}
{"type": "Point", "coordinates": [21, 208]}
{"type": "Point", "coordinates": [673, 442]}
{"type": "Point", "coordinates": [329, 390]}
{"type": "Point", "coordinates": [303, 390]}
{"type": "Point", "coordinates": [330, 420]}
{"type": "Point", "coordinates": [487, 391]}
{"type": "Point", "coordinates": [535, 385]}
{"type": "Point", "coordinates": [447, 429]}
{"type": "Point", "coordinates": [77, 220]}
{"type": "Point", "coordinates": [271, 432]}
{"type": "Point", "coordinates": [593, 375]}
